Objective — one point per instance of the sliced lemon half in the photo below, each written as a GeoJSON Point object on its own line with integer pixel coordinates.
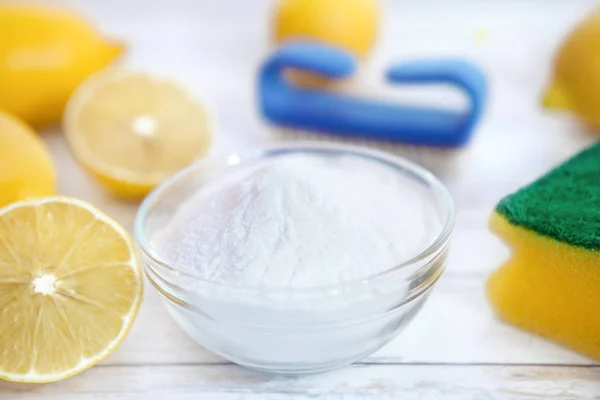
{"type": "Point", "coordinates": [70, 287]}
{"type": "Point", "coordinates": [131, 130]}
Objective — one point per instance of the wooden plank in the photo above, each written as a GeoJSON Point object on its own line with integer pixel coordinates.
{"type": "Point", "coordinates": [455, 326]}
{"type": "Point", "coordinates": [406, 382]}
{"type": "Point", "coordinates": [458, 326]}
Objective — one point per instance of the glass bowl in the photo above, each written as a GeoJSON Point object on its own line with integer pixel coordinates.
{"type": "Point", "coordinates": [293, 330]}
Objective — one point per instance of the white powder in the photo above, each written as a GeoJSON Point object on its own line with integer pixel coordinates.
{"type": "Point", "coordinates": [300, 221]}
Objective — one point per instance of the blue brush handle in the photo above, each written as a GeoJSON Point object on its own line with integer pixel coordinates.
{"type": "Point", "coordinates": [310, 109]}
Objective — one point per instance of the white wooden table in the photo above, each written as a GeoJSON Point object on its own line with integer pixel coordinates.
{"type": "Point", "coordinates": [455, 348]}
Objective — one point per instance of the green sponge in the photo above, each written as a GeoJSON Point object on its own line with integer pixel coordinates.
{"type": "Point", "coordinates": [564, 204]}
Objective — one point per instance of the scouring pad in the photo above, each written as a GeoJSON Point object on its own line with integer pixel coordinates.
{"type": "Point", "coordinates": [551, 284]}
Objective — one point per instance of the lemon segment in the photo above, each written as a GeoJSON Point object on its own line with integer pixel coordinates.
{"type": "Point", "coordinates": [70, 287]}
{"type": "Point", "coordinates": [132, 130]}
{"type": "Point", "coordinates": [45, 53]}
{"type": "Point", "coordinates": [26, 169]}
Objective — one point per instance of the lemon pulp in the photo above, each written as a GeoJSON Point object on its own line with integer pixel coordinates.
{"type": "Point", "coordinates": [131, 130]}
{"type": "Point", "coordinates": [70, 287]}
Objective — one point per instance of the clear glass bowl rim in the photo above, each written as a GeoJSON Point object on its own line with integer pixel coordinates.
{"type": "Point", "coordinates": [258, 152]}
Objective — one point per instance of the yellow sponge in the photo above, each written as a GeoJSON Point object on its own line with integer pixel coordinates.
{"type": "Point", "coordinates": [551, 284]}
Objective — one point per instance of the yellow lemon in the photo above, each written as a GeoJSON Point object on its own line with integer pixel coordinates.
{"type": "Point", "coordinates": [132, 130]}
{"type": "Point", "coordinates": [45, 53]}
{"type": "Point", "coordinates": [70, 287]}
{"type": "Point", "coordinates": [348, 24]}
{"type": "Point", "coordinates": [26, 168]}
{"type": "Point", "coordinates": [576, 76]}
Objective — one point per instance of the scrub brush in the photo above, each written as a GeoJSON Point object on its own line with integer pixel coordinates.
{"type": "Point", "coordinates": [427, 136]}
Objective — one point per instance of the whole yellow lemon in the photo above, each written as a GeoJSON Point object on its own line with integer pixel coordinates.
{"type": "Point", "coordinates": [575, 84]}
{"type": "Point", "coordinates": [26, 169]}
{"type": "Point", "coordinates": [348, 24]}
{"type": "Point", "coordinates": [44, 54]}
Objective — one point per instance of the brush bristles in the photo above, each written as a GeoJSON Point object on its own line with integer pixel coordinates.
{"type": "Point", "coordinates": [441, 162]}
